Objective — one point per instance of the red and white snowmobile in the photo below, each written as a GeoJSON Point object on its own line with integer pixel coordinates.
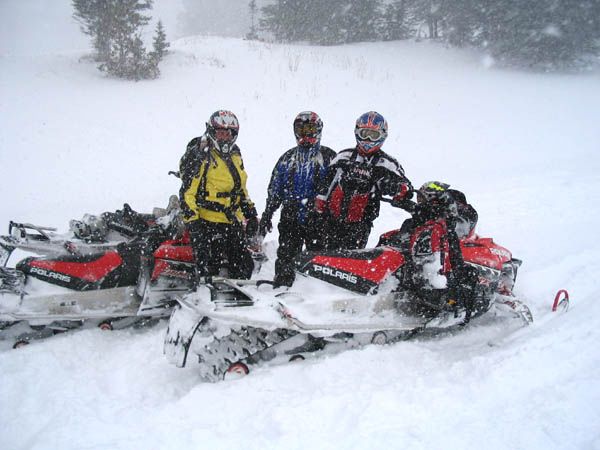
{"type": "Point", "coordinates": [342, 299]}
{"type": "Point", "coordinates": [113, 283]}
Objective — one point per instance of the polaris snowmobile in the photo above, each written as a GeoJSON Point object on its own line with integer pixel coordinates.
{"type": "Point", "coordinates": [116, 283]}
{"type": "Point", "coordinates": [343, 299]}
{"type": "Point", "coordinates": [115, 288]}
{"type": "Point", "coordinates": [111, 284]}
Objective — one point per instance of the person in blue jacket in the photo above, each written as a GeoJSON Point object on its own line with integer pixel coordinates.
{"type": "Point", "coordinates": [295, 181]}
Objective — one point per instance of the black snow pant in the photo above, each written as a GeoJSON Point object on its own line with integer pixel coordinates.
{"type": "Point", "coordinates": [220, 246]}
{"type": "Point", "coordinates": [292, 238]}
{"type": "Point", "coordinates": [348, 236]}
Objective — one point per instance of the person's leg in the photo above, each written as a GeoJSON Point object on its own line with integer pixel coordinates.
{"type": "Point", "coordinates": [349, 236]}
{"type": "Point", "coordinates": [202, 243]}
{"type": "Point", "coordinates": [290, 244]}
{"type": "Point", "coordinates": [361, 235]}
{"type": "Point", "coordinates": [240, 260]}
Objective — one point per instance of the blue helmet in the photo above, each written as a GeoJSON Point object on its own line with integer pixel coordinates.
{"type": "Point", "coordinates": [370, 132]}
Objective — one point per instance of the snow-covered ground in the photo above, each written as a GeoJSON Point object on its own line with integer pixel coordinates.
{"type": "Point", "coordinates": [523, 146]}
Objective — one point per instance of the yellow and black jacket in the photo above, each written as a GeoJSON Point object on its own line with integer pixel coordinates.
{"type": "Point", "coordinates": [213, 187]}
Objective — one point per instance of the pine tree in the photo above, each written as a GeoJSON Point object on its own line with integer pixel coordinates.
{"type": "Point", "coordinates": [115, 29]}
{"type": "Point", "coordinates": [160, 45]}
{"type": "Point", "coordinates": [459, 22]}
{"type": "Point", "coordinates": [252, 34]}
{"type": "Point", "coordinates": [359, 20]}
{"type": "Point", "coordinates": [323, 22]}
{"type": "Point", "coordinates": [396, 21]}
{"type": "Point", "coordinates": [91, 16]}
{"type": "Point", "coordinates": [159, 50]}
{"type": "Point", "coordinates": [539, 33]}
{"type": "Point", "coordinates": [430, 12]}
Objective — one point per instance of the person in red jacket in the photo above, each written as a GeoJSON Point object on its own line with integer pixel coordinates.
{"type": "Point", "coordinates": [357, 180]}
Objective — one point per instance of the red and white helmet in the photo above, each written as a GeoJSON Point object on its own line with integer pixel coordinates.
{"type": "Point", "coordinates": [308, 127]}
{"type": "Point", "coordinates": [222, 129]}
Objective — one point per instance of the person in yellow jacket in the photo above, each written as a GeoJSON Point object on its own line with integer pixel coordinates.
{"type": "Point", "coordinates": [217, 209]}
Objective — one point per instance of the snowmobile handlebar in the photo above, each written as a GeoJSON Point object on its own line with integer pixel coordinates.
{"type": "Point", "coordinates": [407, 205]}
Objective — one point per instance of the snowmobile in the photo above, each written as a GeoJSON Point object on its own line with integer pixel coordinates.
{"type": "Point", "coordinates": [129, 274]}
{"type": "Point", "coordinates": [342, 299]}
{"type": "Point", "coordinates": [115, 288]}
{"type": "Point", "coordinates": [97, 279]}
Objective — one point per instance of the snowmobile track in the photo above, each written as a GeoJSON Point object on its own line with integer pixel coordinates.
{"type": "Point", "coordinates": [216, 356]}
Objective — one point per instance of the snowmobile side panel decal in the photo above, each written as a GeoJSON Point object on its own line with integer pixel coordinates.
{"type": "Point", "coordinates": [341, 278]}
{"type": "Point", "coordinates": [61, 270]}
{"type": "Point", "coordinates": [374, 270]}
{"type": "Point", "coordinates": [357, 275]}
{"type": "Point", "coordinates": [172, 270]}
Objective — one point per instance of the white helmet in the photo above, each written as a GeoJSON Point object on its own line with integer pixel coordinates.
{"type": "Point", "coordinates": [222, 129]}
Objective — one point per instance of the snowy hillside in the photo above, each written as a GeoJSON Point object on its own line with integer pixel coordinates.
{"type": "Point", "coordinates": [524, 147]}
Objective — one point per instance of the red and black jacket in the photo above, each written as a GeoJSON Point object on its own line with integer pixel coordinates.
{"type": "Point", "coordinates": [355, 184]}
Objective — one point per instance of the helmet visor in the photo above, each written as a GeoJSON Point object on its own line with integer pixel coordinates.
{"type": "Point", "coordinates": [224, 135]}
{"type": "Point", "coordinates": [433, 192]}
{"type": "Point", "coordinates": [422, 197]}
{"type": "Point", "coordinates": [306, 129]}
{"type": "Point", "coordinates": [370, 134]}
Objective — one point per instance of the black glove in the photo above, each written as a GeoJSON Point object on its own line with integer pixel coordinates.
{"type": "Point", "coordinates": [405, 204]}
{"type": "Point", "coordinates": [265, 226]}
{"type": "Point", "coordinates": [251, 227]}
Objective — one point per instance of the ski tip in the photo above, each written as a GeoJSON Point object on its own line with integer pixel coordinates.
{"type": "Point", "coordinates": [561, 301]}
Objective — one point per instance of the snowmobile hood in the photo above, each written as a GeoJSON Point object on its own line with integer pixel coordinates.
{"type": "Point", "coordinates": [485, 252]}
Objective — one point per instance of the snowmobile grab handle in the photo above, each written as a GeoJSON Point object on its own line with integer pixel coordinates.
{"type": "Point", "coordinates": [23, 227]}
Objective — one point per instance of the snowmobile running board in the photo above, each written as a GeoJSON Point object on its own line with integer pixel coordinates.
{"type": "Point", "coordinates": [83, 305]}
{"type": "Point", "coordinates": [75, 306]}
{"type": "Point", "coordinates": [315, 328]}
